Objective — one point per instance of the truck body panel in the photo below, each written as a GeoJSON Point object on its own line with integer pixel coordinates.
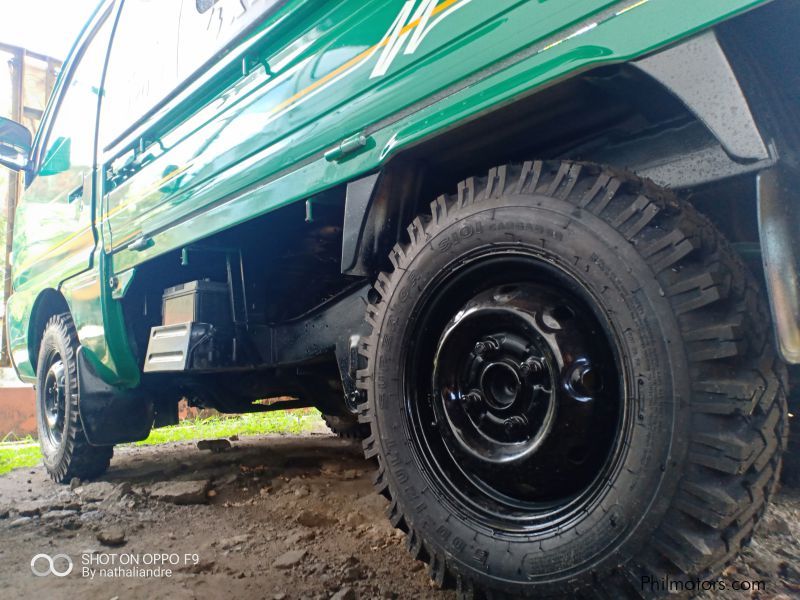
{"type": "Point", "coordinates": [262, 127]}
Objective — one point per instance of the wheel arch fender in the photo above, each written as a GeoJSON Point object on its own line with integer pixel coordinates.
{"type": "Point", "coordinates": [109, 415]}
{"type": "Point", "coordinates": [49, 303]}
{"type": "Point", "coordinates": [378, 208]}
{"type": "Point", "coordinates": [698, 72]}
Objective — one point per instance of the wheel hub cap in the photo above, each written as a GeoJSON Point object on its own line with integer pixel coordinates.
{"type": "Point", "coordinates": [55, 399]}
{"type": "Point", "coordinates": [506, 364]}
{"type": "Point", "coordinates": [513, 390]}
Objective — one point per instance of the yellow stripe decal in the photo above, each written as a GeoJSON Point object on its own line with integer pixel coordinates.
{"type": "Point", "coordinates": [88, 231]}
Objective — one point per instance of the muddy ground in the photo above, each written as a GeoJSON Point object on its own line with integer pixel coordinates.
{"type": "Point", "coordinates": [282, 518]}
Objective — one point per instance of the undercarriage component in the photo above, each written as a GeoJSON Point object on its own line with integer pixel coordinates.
{"type": "Point", "coordinates": [197, 301]}
{"type": "Point", "coordinates": [346, 426]}
{"type": "Point", "coordinates": [197, 331]}
{"type": "Point", "coordinates": [779, 228]}
{"type": "Point", "coordinates": [185, 347]}
{"type": "Point", "coordinates": [110, 415]}
{"type": "Point", "coordinates": [335, 328]}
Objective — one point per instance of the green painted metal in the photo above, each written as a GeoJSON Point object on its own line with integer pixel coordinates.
{"type": "Point", "coordinates": [317, 94]}
{"type": "Point", "coordinates": [19, 314]}
{"type": "Point", "coordinates": [120, 283]}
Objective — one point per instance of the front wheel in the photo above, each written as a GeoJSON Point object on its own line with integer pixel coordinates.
{"type": "Point", "coordinates": [66, 453]}
{"type": "Point", "coordinates": [571, 387]}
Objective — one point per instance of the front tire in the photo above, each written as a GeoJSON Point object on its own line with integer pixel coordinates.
{"type": "Point", "coordinates": [66, 453]}
{"type": "Point", "coordinates": [646, 443]}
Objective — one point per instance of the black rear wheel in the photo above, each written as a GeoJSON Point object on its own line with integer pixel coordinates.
{"type": "Point", "coordinates": [66, 453]}
{"type": "Point", "coordinates": [571, 386]}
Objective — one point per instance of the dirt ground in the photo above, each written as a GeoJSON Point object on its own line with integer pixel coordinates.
{"type": "Point", "coordinates": [279, 518]}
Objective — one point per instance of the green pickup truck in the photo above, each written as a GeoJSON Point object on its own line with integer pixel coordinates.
{"type": "Point", "coordinates": [539, 256]}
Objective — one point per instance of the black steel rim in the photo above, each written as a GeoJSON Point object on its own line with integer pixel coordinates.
{"type": "Point", "coordinates": [54, 396]}
{"type": "Point", "coordinates": [514, 397]}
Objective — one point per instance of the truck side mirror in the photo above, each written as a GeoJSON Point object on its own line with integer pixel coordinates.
{"type": "Point", "coordinates": [15, 145]}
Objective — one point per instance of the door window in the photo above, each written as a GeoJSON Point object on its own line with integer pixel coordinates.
{"type": "Point", "coordinates": [159, 45]}
{"type": "Point", "coordinates": [70, 140]}
{"type": "Point", "coordinates": [142, 66]}
{"type": "Point", "coordinates": [53, 225]}
{"type": "Point", "coordinates": [208, 26]}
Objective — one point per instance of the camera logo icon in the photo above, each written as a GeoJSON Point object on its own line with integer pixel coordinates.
{"type": "Point", "coordinates": [59, 565]}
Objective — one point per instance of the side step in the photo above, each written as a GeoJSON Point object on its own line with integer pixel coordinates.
{"type": "Point", "coordinates": [180, 347]}
{"type": "Point", "coordinates": [187, 340]}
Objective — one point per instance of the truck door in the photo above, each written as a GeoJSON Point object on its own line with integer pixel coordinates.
{"type": "Point", "coordinates": [185, 38]}
{"type": "Point", "coordinates": [53, 234]}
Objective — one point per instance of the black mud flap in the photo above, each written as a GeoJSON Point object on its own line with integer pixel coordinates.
{"type": "Point", "coordinates": [111, 415]}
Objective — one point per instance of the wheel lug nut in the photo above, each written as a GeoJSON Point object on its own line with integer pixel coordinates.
{"type": "Point", "coordinates": [485, 347]}
{"type": "Point", "coordinates": [473, 398]}
{"type": "Point", "coordinates": [532, 367]}
{"type": "Point", "coordinates": [514, 424]}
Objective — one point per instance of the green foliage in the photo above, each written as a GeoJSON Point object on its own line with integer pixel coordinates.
{"type": "Point", "coordinates": [18, 455]}
{"type": "Point", "coordinates": [283, 422]}
{"type": "Point", "coordinates": [25, 453]}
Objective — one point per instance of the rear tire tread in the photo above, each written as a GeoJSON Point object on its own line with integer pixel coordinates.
{"type": "Point", "coordinates": [739, 385]}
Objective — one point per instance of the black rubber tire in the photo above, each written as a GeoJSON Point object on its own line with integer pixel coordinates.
{"type": "Point", "coordinates": [73, 456]}
{"type": "Point", "coordinates": [346, 427]}
{"type": "Point", "coordinates": [702, 456]}
{"type": "Point", "coordinates": [791, 461]}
